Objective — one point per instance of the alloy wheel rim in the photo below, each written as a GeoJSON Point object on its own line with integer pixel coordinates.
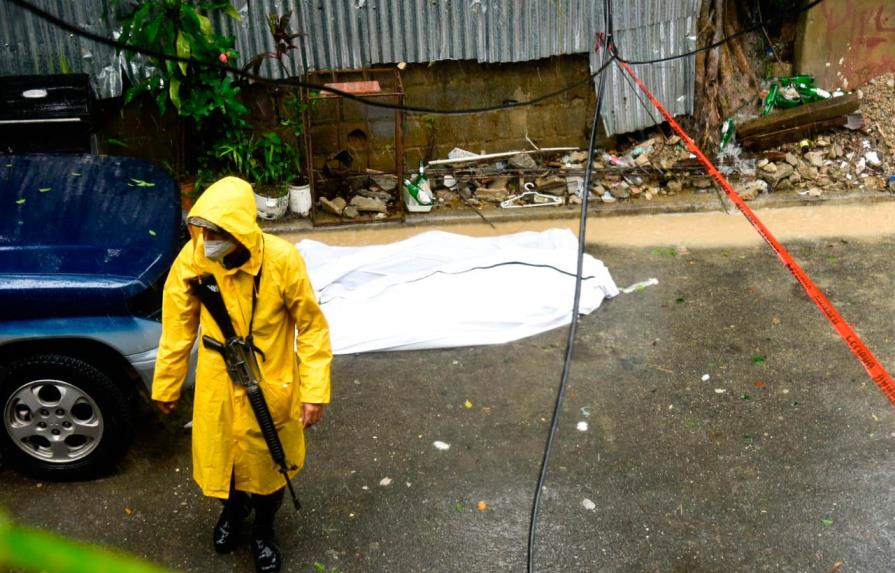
{"type": "Point", "coordinates": [53, 421]}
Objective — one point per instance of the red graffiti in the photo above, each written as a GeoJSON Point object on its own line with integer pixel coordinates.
{"type": "Point", "coordinates": [859, 35]}
{"type": "Point", "coordinates": [879, 22]}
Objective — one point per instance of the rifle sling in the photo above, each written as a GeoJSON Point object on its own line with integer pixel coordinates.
{"type": "Point", "coordinates": [206, 289]}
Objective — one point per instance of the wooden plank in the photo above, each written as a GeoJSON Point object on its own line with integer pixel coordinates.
{"type": "Point", "coordinates": [773, 139]}
{"type": "Point", "coordinates": [797, 116]}
{"type": "Point", "coordinates": [356, 88]}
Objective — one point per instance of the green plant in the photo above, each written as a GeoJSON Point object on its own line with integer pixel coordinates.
{"type": "Point", "coordinates": [201, 93]}
{"type": "Point", "coordinates": [264, 160]}
{"type": "Point", "coordinates": [283, 36]}
{"type": "Point", "coordinates": [180, 29]}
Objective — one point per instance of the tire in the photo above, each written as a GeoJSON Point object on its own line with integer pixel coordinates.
{"type": "Point", "coordinates": [63, 419]}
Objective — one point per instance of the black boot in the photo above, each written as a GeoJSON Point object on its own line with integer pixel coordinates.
{"type": "Point", "coordinates": [264, 548]}
{"type": "Point", "coordinates": [226, 532]}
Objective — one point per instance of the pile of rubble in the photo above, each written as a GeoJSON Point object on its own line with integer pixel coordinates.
{"type": "Point", "coordinates": [373, 196]}
{"type": "Point", "coordinates": [655, 167]}
{"type": "Point", "coordinates": [855, 155]}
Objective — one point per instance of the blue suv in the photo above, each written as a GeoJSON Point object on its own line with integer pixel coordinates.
{"type": "Point", "coordinates": [85, 244]}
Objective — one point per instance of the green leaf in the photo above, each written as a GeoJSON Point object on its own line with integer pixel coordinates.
{"type": "Point", "coordinates": [20, 202]}
{"type": "Point", "coordinates": [151, 232]}
{"type": "Point", "coordinates": [141, 183]}
{"type": "Point", "coordinates": [151, 31]}
{"type": "Point", "coordinates": [229, 10]}
{"type": "Point", "coordinates": [745, 397]}
{"type": "Point", "coordinates": [63, 64]}
{"type": "Point", "coordinates": [205, 25]}
{"type": "Point", "coordinates": [118, 142]}
{"type": "Point", "coordinates": [75, 174]}
{"type": "Point", "coordinates": [679, 300]}
{"type": "Point", "coordinates": [183, 51]}
{"type": "Point", "coordinates": [174, 92]}
{"type": "Point", "coordinates": [758, 360]}
{"type": "Point", "coordinates": [827, 521]}
{"type": "Point", "coordinates": [44, 189]}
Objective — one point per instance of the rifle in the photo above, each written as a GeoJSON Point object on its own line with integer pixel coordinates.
{"type": "Point", "coordinates": [242, 365]}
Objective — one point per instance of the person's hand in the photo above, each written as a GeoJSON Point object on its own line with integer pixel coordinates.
{"type": "Point", "coordinates": [311, 414]}
{"type": "Point", "coordinates": [165, 407]}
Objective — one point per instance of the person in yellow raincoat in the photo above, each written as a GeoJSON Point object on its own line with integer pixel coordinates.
{"type": "Point", "coordinates": [230, 457]}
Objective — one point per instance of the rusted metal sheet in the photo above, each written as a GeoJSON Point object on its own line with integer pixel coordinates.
{"type": "Point", "coordinates": [351, 34]}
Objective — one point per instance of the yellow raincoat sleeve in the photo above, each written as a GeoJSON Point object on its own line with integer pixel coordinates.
{"type": "Point", "coordinates": [180, 321]}
{"type": "Point", "coordinates": [314, 350]}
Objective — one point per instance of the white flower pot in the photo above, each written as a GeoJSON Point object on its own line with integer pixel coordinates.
{"type": "Point", "coordinates": [270, 208]}
{"type": "Point", "coordinates": [300, 199]}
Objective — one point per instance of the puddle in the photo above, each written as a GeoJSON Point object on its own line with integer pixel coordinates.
{"type": "Point", "coordinates": [695, 230]}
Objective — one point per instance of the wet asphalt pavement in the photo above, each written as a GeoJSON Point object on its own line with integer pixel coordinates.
{"type": "Point", "coordinates": [782, 460]}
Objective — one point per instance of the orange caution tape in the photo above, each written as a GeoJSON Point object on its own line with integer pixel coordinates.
{"type": "Point", "coordinates": [874, 369]}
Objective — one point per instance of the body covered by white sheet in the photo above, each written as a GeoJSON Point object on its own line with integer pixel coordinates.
{"type": "Point", "coordinates": [441, 290]}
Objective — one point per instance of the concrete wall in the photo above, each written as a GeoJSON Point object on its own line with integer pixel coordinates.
{"type": "Point", "coordinates": [369, 132]}
{"type": "Point", "coordinates": [845, 43]}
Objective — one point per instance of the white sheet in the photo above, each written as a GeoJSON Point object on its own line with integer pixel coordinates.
{"type": "Point", "coordinates": [429, 291]}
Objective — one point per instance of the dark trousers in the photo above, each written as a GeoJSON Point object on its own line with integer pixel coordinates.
{"type": "Point", "coordinates": [240, 504]}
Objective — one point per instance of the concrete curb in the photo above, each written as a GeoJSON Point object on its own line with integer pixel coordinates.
{"type": "Point", "coordinates": [689, 203]}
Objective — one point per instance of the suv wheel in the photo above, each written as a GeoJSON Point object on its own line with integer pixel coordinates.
{"type": "Point", "coordinates": [63, 419]}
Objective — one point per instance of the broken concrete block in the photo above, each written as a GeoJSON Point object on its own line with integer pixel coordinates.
{"type": "Point", "coordinates": [781, 171]}
{"type": "Point", "coordinates": [641, 160]}
{"type": "Point", "coordinates": [522, 161]}
{"type": "Point", "coordinates": [491, 195]}
{"type": "Point", "coordinates": [621, 191]}
{"type": "Point", "coordinates": [816, 158]}
{"type": "Point", "coordinates": [366, 204]}
{"type": "Point", "coordinates": [335, 206]}
{"type": "Point", "coordinates": [386, 182]}
{"type": "Point", "coordinates": [373, 194]}
{"type": "Point", "coordinates": [751, 190]}
{"type": "Point", "coordinates": [351, 212]}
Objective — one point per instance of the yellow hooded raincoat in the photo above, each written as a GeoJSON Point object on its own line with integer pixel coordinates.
{"type": "Point", "coordinates": [226, 438]}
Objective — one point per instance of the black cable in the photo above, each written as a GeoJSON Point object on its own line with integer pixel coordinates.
{"type": "Point", "coordinates": [485, 268]}
{"type": "Point", "coordinates": [295, 82]}
{"type": "Point", "coordinates": [608, 58]}
{"type": "Point", "coordinates": [723, 40]}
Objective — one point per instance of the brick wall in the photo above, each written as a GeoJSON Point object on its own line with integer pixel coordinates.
{"type": "Point", "coordinates": [370, 132]}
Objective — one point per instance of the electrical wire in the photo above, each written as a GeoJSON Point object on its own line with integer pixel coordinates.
{"type": "Point", "coordinates": [293, 82]}
{"type": "Point", "coordinates": [464, 271]}
{"type": "Point", "coordinates": [608, 58]}
{"type": "Point", "coordinates": [723, 40]}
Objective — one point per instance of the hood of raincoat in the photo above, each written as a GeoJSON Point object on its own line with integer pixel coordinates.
{"type": "Point", "coordinates": [230, 204]}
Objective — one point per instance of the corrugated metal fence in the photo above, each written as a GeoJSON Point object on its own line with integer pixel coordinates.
{"type": "Point", "coordinates": [350, 34]}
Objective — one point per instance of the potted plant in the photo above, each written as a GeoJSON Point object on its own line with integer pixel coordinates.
{"type": "Point", "coordinates": [299, 187]}
{"type": "Point", "coordinates": [291, 112]}
{"type": "Point", "coordinates": [272, 173]}
{"type": "Point", "coordinates": [265, 161]}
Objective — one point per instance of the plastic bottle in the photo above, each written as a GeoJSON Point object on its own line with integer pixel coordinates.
{"type": "Point", "coordinates": [727, 131]}
{"type": "Point", "coordinates": [419, 194]}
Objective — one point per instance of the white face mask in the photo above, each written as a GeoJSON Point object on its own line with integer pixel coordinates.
{"type": "Point", "coordinates": [217, 250]}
